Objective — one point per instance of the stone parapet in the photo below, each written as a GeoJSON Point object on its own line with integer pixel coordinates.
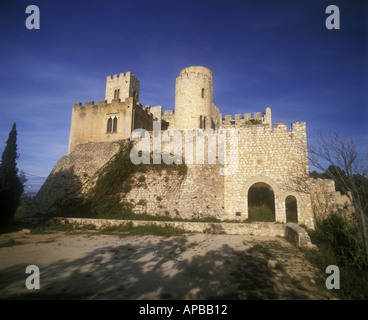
{"type": "Point", "coordinates": [298, 236]}
{"type": "Point", "coordinates": [256, 228]}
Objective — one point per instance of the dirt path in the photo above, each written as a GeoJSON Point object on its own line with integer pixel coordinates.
{"type": "Point", "coordinates": [195, 266]}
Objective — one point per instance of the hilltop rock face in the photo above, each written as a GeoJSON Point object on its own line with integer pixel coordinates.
{"type": "Point", "coordinates": [196, 193]}
{"type": "Point", "coordinates": [72, 177]}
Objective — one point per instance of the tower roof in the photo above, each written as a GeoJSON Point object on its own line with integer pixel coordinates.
{"type": "Point", "coordinates": [197, 69]}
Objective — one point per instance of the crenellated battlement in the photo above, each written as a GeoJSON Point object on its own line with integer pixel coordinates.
{"type": "Point", "coordinates": [295, 127]}
{"type": "Point", "coordinates": [101, 103]}
{"type": "Point", "coordinates": [258, 118]}
{"type": "Point", "coordinates": [121, 76]}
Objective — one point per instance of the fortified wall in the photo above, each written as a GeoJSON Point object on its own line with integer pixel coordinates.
{"type": "Point", "coordinates": [267, 175]}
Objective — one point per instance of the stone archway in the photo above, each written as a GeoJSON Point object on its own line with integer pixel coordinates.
{"type": "Point", "coordinates": [278, 198]}
{"type": "Point", "coordinates": [261, 203]}
{"type": "Point", "coordinates": [291, 206]}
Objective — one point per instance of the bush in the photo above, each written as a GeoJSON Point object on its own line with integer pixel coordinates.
{"type": "Point", "coordinates": [345, 241]}
{"type": "Point", "coordinates": [341, 244]}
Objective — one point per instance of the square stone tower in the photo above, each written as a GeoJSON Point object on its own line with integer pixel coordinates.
{"type": "Point", "coordinates": [122, 86]}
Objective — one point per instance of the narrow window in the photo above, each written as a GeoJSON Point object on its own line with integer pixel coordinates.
{"type": "Point", "coordinates": [202, 93]}
{"type": "Point", "coordinates": [200, 122]}
{"type": "Point", "coordinates": [204, 122]}
{"type": "Point", "coordinates": [115, 125]}
{"type": "Point", "coordinates": [118, 95]}
{"type": "Point", "coordinates": [109, 125]}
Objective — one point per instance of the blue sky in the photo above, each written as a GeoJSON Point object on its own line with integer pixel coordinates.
{"type": "Point", "coordinates": [276, 54]}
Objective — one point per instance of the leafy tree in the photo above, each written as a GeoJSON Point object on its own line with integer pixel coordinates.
{"type": "Point", "coordinates": [11, 185]}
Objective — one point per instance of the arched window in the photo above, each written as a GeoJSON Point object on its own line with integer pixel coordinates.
{"type": "Point", "coordinates": [202, 93]}
{"type": "Point", "coordinates": [109, 125]}
{"type": "Point", "coordinates": [115, 125]}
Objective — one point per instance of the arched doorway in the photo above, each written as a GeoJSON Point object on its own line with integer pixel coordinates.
{"type": "Point", "coordinates": [261, 203]}
{"type": "Point", "coordinates": [291, 209]}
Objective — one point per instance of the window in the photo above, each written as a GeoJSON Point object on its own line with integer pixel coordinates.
{"type": "Point", "coordinates": [202, 122]}
{"type": "Point", "coordinates": [109, 125]}
{"type": "Point", "coordinates": [112, 124]}
{"type": "Point", "coordinates": [117, 94]}
{"type": "Point", "coordinates": [115, 125]}
{"type": "Point", "coordinates": [202, 93]}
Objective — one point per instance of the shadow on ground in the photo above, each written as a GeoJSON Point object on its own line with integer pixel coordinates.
{"type": "Point", "coordinates": [171, 268]}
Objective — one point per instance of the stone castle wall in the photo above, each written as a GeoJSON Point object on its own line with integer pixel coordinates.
{"type": "Point", "coordinates": [277, 158]}
{"type": "Point", "coordinates": [270, 154]}
{"type": "Point", "coordinates": [325, 199]}
{"type": "Point", "coordinates": [89, 122]}
{"type": "Point", "coordinates": [202, 191]}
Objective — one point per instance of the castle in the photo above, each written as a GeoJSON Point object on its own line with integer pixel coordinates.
{"type": "Point", "coordinates": [272, 162]}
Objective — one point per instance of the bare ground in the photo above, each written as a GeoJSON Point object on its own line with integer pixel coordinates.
{"type": "Point", "coordinates": [192, 266]}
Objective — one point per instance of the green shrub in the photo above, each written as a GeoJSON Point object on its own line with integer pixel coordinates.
{"type": "Point", "coordinates": [345, 241]}
{"type": "Point", "coordinates": [340, 244]}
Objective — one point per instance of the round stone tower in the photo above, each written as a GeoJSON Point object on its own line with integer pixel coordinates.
{"type": "Point", "coordinates": [193, 98]}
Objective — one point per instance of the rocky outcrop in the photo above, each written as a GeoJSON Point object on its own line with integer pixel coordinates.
{"type": "Point", "coordinates": [73, 177]}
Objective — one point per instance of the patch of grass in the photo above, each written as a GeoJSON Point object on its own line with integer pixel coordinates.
{"type": "Point", "coordinates": [150, 229]}
{"type": "Point", "coordinates": [10, 243]}
{"type": "Point", "coordinates": [261, 213]}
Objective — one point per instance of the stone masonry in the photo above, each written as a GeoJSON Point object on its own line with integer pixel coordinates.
{"type": "Point", "coordinates": [268, 154]}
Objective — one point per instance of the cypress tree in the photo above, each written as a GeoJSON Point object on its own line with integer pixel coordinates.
{"type": "Point", "coordinates": [11, 185]}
